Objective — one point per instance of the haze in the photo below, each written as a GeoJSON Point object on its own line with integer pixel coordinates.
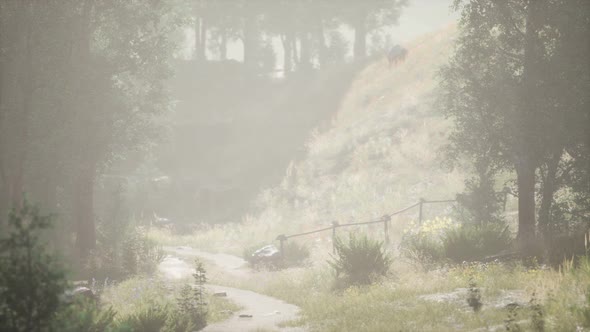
{"type": "Point", "coordinates": [317, 165]}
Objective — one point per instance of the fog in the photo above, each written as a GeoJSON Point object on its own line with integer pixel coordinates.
{"type": "Point", "coordinates": [317, 165]}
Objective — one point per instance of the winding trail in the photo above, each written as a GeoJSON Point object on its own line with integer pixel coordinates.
{"type": "Point", "coordinates": [266, 312]}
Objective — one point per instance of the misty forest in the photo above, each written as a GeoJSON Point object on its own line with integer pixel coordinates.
{"type": "Point", "coordinates": [294, 165]}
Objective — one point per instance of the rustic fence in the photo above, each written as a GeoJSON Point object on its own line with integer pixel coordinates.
{"type": "Point", "coordinates": [385, 219]}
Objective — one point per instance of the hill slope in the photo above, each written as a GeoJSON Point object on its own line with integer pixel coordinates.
{"type": "Point", "coordinates": [381, 153]}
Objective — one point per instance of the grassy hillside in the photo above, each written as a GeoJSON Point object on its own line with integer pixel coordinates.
{"type": "Point", "coordinates": [381, 152]}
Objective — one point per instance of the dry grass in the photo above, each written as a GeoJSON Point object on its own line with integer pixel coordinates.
{"type": "Point", "coordinates": [133, 294]}
{"type": "Point", "coordinates": [416, 300]}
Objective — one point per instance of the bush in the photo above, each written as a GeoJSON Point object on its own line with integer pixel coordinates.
{"type": "Point", "coordinates": [137, 254]}
{"type": "Point", "coordinates": [150, 318]}
{"type": "Point", "coordinates": [422, 249]}
{"type": "Point", "coordinates": [191, 309]}
{"type": "Point", "coordinates": [441, 239]}
{"type": "Point", "coordinates": [31, 280]}
{"type": "Point", "coordinates": [178, 321]}
{"type": "Point", "coordinates": [360, 260]}
{"type": "Point", "coordinates": [191, 303]}
{"type": "Point", "coordinates": [423, 243]}
{"type": "Point", "coordinates": [471, 243]}
{"type": "Point", "coordinates": [84, 315]}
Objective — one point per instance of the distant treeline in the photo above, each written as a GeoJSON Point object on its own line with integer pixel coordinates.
{"type": "Point", "coordinates": [310, 31]}
{"type": "Point", "coordinates": [83, 83]}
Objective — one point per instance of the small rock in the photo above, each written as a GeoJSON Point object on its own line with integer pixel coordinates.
{"type": "Point", "coordinates": [245, 316]}
{"type": "Point", "coordinates": [266, 254]}
{"type": "Point", "coordinates": [220, 294]}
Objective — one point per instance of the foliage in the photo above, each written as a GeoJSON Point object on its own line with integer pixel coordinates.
{"type": "Point", "coordinates": [190, 312]}
{"type": "Point", "coordinates": [180, 322]}
{"type": "Point", "coordinates": [512, 88]}
{"type": "Point", "coordinates": [105, 97]}
{"type": "Point", "coordinates": [442, 239]}
{"type": "Point", "coordinates": [537, 315]}
{"type": "Point", "coordinates": [31, 279]}
{"type": "Point", "coordinates": [191, 302]}
{"type": "Point", "coordinates": [360, 261]}
{"type": "Point", "coordinates": [480, 201]}
{"type": "Point", "coordinates": [473, 242]}
{"type": "Point", "coordinates": [423, 243]}
{"type": "Point", "coordinates": [135, 254]}
{"type": "Point", "coordinates": [84, 315]}
{"type": "Point", "coordinates": [151, 318]}
{"type": "Point", "coordinates": [474, 297]}
{"type": "Point", "coordinates": [585, 311]}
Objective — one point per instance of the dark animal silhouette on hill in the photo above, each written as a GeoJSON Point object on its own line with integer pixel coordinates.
{"type": "Point", "coordinates": [396, 54]}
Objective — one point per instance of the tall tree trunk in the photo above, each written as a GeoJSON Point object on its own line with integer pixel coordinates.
{"type": "Point", "coordinates": [83, 186]}
{"type": "Point", "coordinates": [305, 55]}
{"type": "Point", "coordinates": [527, 163]}
{"type": "Point", "coordinates": [295, 51]}
{"type": "Point", "coordinates": [200, 39]}
{"type": "Point", "coordinates": [360, 36]}
{"type": "Point", "coordinates": [14, 174]}
{"type": "Point", "coordinates": [250, 39]}
{"type": "Point", "coordinates": [548, 191]}
{"type": "Point", "coordinates": [287, 42]}
{"type": "Point", "coordinates": [223, 45]}
{"type": "Point", "coordinates": [203, 53]}
{"type": "Point", "coordinates": [321, 40]}
{"type": "Point", "coordinates": [84, 212]}
{"type": "Point", "coordinates": [525, 173]}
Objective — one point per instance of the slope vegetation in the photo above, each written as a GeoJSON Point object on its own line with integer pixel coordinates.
{"type": "Point", "coordinates": [381, 153]}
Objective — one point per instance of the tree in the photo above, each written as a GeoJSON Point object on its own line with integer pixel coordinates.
{"type": "Point", "coordinates": [367, 16]}
{"type": "Point", "coordinates": [94, 69]}
{"type": "Point", "coordinates": [498, 90]}
{"type": "Point", "coordinates": [31, 280]}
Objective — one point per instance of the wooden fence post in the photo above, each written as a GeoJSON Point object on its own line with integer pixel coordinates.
{"type": "Point", "coordinates": [506, 191]}
{"type": "Point", "coordinates": [334, 226]}
{"type": "Point", "coordinates": [386, 219]}
{"type": "Point", "coordinates": [420, 212]}
{"type": "Point", "coordinates": [282, 238]}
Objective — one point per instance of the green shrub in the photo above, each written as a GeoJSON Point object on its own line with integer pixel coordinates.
{"type": "Point", "coordinates": [151, 318]}
{"type": "Point", "coordinates": [423, 243]}
{"type": "Point", "coordinates": [191, 303]}
{"type": "Point", "coordinates": [422, 249]}
{"type": "Point", "coordinates": [84, 315]}
{"type": "Point", "coordinates": [360, 261]}
{"type": "Point", "coordinates": [31, 279]}
{"type": "Point", "coordinates": [471, 243]}
{"type": "Point", "coordinates": [179, 321]}
{"type": "Point", "coordinates": [136, 254]}
{"type": "Point", "coordinates": [191, 309]}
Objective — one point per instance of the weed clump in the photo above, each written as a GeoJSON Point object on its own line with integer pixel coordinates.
{"type": "Point", "coordinates": [472, 243]}
{"type": "Point", "coordinates": [359, 261]}
{"type": "Point", "coordinates": [441, 240]}
{"type": "Point", "coordinates": [474, 297]}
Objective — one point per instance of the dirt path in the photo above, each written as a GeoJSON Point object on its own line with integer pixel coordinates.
{"type": "Point", "coordinates": [266, 312]}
